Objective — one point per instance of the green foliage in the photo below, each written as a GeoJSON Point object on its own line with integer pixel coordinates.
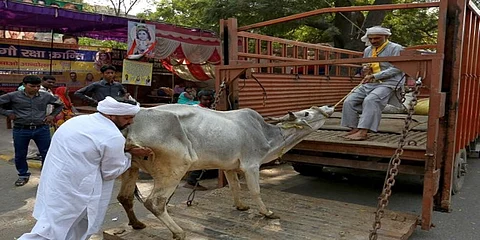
{"type": "Point", "coordinates": [188, 13]}
{"type": "Point", "coordinates": [102, 43]}
{"type": "Point", "coordinates": [410, 27]}
{"type": "Point", "coordinates": [413, 26]}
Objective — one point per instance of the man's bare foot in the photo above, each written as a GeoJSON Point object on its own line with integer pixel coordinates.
{"type": "Point", "coordinates": [353, 131]}
{"type": "Point", "coordinates": [358, 136]}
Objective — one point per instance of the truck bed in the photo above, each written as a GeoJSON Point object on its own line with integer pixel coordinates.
{"type": "Point", "coordinates": [388, 135]}
{"type": "Point", "coordinates": [301, 217]}
{"type": "Point", "coordinates": [328, 147]}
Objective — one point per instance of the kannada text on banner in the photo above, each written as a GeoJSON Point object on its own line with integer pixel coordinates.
{"type": "Point", "coordinates": [137, 73]}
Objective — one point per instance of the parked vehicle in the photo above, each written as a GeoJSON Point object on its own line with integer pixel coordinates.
{"type": "Point", "coordinates": [262, 73]}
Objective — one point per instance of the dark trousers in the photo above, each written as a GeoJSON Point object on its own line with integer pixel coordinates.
{"type": "Point", "coordinates": [21, 139]}
{"type": "Point", "coordinates": [193, 176]}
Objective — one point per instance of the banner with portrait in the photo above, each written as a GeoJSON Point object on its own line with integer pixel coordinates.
{"type": "Point", "coordinates": [137, 73]}
{"type": "Point", "coordinates": [141, 40]}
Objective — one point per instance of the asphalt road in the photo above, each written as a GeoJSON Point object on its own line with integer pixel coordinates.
{"type": "Point", "coordinates": [354, 186]}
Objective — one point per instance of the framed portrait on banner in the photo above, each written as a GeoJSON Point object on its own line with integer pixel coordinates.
{"type": "Point", "coordinates": [141, 40]}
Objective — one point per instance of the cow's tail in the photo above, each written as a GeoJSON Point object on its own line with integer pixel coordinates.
{"type": "Point", "coordinates": [138, 195]}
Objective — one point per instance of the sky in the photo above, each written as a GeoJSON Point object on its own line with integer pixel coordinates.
{"type": "Point", "coordinates": [139, 7]}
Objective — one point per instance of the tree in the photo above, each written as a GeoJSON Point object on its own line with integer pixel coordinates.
{"type": "Point", "coordinates": [123, 6]}
{"type": "Point", "coordinates": [117, 7]}
{"type": "Point", "coordinates": [342, 29]}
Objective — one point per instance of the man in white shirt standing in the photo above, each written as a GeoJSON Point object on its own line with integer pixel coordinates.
{"type": "Point", "coordinates": [86, 155]}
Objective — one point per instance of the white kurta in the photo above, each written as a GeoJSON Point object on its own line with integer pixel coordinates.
{"type": "Point", "coordinates": [85, 157]}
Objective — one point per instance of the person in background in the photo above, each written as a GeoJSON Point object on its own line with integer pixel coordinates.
{"type": "Point", "coordinates": [48, 82]}
{"type": "Point", "coordinates": [103, 88]}
{"type": "Point", "coordinates": [89, 79]}
{"type": "Point", "coordinates": [188, 97]}
{"type": "Point", "coordinates": [70, 39]}
{"type": "Point", "coordinates": [178, 89]}
{"type": "Point", "coordinates": [30, 121]}
{"type": "Point", "coordinates": [86, 156]}
{"type": "Point", "coordinates": [68, 110]}
{"type": "Point", "coordinates": [206, 101]}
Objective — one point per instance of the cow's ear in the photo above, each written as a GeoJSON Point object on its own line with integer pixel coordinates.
{"type": "Point", "coordinates": [291, 116]}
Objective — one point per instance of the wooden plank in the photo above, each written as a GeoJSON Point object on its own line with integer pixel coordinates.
{"type": "Point", "coordinates": [349, 163]}
{"type": "Point", "coordinates": [213, 217]}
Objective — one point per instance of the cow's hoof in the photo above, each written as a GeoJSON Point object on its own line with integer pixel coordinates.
{"type": "Point", "coordinates": [271, 215]}
{"type": "Point", "coordinates": [179, 236]}
{"type": "Point", "coordinates": [243, 208]}
{"type": "Point", "coordinates": [137, 225]}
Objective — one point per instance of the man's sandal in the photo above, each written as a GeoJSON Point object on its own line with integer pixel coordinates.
{"type": "Point", "coordinates": [21, 181]}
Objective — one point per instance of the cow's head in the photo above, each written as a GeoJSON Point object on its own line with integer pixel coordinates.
{"type": "Point", "coordinates": [313, 118]}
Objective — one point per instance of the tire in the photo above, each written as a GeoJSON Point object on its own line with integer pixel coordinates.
{"type": "Point", "coordinates": [459, 171]}
{"type": "Point", "coordinates": [307, 169]}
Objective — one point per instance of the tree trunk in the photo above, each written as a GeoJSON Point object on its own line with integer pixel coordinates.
{"type": "Point", "coordinates": [349, 35]}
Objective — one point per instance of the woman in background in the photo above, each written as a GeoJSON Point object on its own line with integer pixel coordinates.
{"type": "Point", "coordinates": [188, 96]}
{"type": "Point", "coordinates": [68, 109]}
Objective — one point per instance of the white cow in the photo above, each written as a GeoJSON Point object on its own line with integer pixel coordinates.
{"type": "Point", "coordinates": [185, 138]}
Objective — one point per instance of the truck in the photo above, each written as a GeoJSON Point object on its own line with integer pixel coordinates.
{"type": "Point", "coordinates": [273, 75]}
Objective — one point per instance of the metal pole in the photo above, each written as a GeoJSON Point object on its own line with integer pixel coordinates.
{"type": "Point", "coordinates": [173, 87]}
{"type": "Point", "coordinates": [51, 52]}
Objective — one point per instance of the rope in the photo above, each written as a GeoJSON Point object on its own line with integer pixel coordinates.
{"type": "Point", "coordinates": [345, 97]}
{"type": "Point", "coordinates": [191, 196]}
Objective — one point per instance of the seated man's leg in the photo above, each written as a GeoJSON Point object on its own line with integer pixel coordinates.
{"type": "Point", "coordinates": [373, 105]}
{"type": "Point", "coordinates": [352, 107]}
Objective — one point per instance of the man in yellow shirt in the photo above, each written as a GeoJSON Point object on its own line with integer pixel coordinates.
{"type": "Point", "coordinates": [380, 82]}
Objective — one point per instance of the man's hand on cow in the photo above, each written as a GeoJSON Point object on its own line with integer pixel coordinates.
{"type": "Point", "coordinates": [368, 78]}
{"type": "Point", "coordinates": [140, 151]}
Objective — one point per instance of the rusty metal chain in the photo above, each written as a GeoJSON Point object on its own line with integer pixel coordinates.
{"type": "Point", "coordinates": [395, 161]}
{"type": "Point", "coordinates": [218, 95]}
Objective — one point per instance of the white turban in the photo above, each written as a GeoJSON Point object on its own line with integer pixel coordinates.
{"type": "Point", "coordinates": [111, 106]}
{"type": "Point", "coordinates": [377, 30]}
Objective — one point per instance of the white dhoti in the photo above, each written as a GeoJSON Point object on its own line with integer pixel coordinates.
{"type": "Point", "coordinates": [369, 101]}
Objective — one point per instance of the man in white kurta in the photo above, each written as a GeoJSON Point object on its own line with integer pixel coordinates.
{"type": "Point", "coordinates": [382, 80]}
{"type": "Point", "coordinates": [85, 157]}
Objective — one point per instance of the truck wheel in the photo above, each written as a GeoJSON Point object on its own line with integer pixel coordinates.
{"type": "Point", "coordinates": [307, 169]}
{"type": "Point", "coordinates": [459, 171]}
